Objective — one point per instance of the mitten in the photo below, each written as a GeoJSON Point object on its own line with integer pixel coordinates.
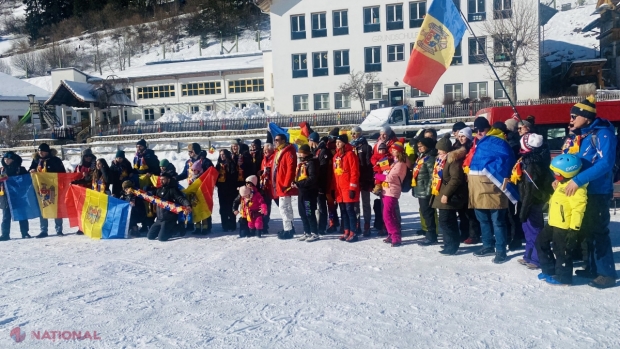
{"type": "Point", "coordinates": [351, 194]}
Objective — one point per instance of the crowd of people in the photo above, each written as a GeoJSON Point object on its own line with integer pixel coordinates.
{"type": "Point", "coordinates": [491, 185]}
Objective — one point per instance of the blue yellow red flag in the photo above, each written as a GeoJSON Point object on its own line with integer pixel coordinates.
{"type": "Point", "coordinates": [200, 194]}
{"type": "Point", "coordinates": [441, 32]}
{"type": "Point", "coordinates": [51, 190]}
{"type": "Point", "coordinates": [294, 136]}
{"type": "Point", "coordinates": [101, 216]}
{"type": "Point", "coordinates": [22, 198]}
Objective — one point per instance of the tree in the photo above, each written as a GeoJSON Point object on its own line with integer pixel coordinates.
{"type": "Point", "coordinates": [357, 86]}
{"type": "Point", "coordinates": [31, 63]}
{"type": "Point", "coordinates": [514, 33]}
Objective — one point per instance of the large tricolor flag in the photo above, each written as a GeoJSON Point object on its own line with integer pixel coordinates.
{"type": "Point", "coordinates": [22, 198]}
{"type": "Point", "coordinates": [295, 136]}
{"type": "Point", "coordinates": [101, 216]}
{"type": "Point", "coordinates": [52, 192]}
{"type": "Point", "coordinates": [441, 31]}
{"type": "Point", "coordinates": [200, 194]}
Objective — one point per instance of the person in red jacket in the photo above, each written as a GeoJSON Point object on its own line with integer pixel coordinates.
{"type": "Point", "coordinates": [346, 185]}
{"type": "Point", "coordinates": [386, 136]}
{"type": "Point", "coordinates": [265, 185]}
{"type": "Point", "coordinates": [284, 167]}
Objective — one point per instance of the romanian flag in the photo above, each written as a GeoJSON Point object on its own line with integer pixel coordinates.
{"type": "Point", "coordinates": [200, 194]}
{"type": "Point", "coordinates": [22, 198]}
{"type": "Point", "coordinates": [101, 216]}
{"type": "Point", "coordinates": [294, 136]}
{"type": "Point", "coordinates": [441, 31]}
{"type": "Point", "coordinates": [52, 192]}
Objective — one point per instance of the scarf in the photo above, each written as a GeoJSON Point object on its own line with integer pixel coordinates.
{"type": "Point", "coordinates": [166, 205]}
{"type": "Point", "coordinates": [240, 177]}
{"type": "Point", "coordinates": [302, 171]}
{"type": "Point", "coordinates": [469, 156]}
{"type": "Point", "coordinates": [572, 144]}
{"type": "Point", "coordinates": [246, 204]}
{"type": "Point", "coordinates": [41, 166]}
{"type": "Point", "coordinates": [338, 170]}
{"type": "Point", "coordinates": [222, 176]}
{"type": "Point", "coordinates": [517, 172]}
{"type": "Point", "coordinates": [99, 185]}
{"type": "Point", "coordinates": [440, 162]}
{"type": "Point", "coordinates": [139, 163]}
{"type": "Point", "coordinates": [416, 170]}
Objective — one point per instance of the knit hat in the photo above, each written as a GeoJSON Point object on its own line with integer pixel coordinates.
{"type": "Point", "coordinates": [511, 125]}
{"type": "Point", "coordinates": [314, 137]}
{"type": "Point", "coordinates": [427, 142]}
{"type": "Point", "coordinates": [252, 179]}
{"type": "Point", "coordinates": [444, 144]}
{"type": "Point", "coordinates": [304, 150]}
{"type": "Point", "coordinates": [398, 146]}
{"type": "Point", "coordinates": [334, 132]}
{"type": "Point", "coordinates": [44, 147]}
{"type": "Point", "coordinates": [357, 129]}
{"type": "Point", "coordinates": [382, 146]}
{"type": "Point", "coordinates": [388, 131]}
{"type": "Point", "coordinates": [8, 155]}
{"type": "Point", "coordinates": [141, 142]}
{"type": "Point", "coordinates": [458, 126]}
{"type": "Point", "coordinates": [481, 123]}
{"type": "Point", "coordinates": [501, 126]}
{"type": "Point", "coordinates": [585, 108]}
{"type": "Point", "coordinates": [257, 142]}
{"type": "Point", "coordinates": [530, 141]}
{"type": "Point", "coordinates": [127, 184]}
{"type": "Point", "coordinates": [235, 141]}
{"type": "Point", "coordinates": [244, 192]}
{"type": "Point", "coordinates": [343, 138]}
{"type": "Point", "coordinates": [195, 147]}
{"type": "Point", "coordinates": [120, 154]}
{"type": "Point", "coordinates": [467, 133]}
{"type": "Point", "coordinates": [525, 123]}
{"type": "Point", "coordinates": [164, 163]}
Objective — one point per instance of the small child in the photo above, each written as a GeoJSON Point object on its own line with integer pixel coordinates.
{"type": "Point", "coordinates": [382, 167]}
{"type": "Point", "coordinates": [565, 217]}
{"type": "Point", "coordinates": [244, 230]}
{"type": "Point", "coordinates": [253, 208]}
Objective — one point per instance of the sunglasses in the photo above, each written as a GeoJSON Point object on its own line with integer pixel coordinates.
{"type": "Point", "coordinates": [278, 139]}
{"type": "Point", "coordinates": [573, 116]}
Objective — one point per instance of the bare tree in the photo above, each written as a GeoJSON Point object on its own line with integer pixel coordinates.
{"type": "Point", "coordinates": [31, 63]}
{"type": "Point", "coordinates": [12, 132]}
{"type": "Point", "coordinates": [514, 33]}
{"type": "Point", "coordinates": [357, 85]}
{"type": "Point", "coordinates": [100, 58]}
{"type": "Point", "coordinates": [5, 68]}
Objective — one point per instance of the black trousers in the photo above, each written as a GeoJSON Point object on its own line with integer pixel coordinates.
{"type": "Point", "coordinates": [428, 213]}
{"type": "Point", "coordinates": [449, 227]}
{"type": "Point", "coordinates": [468, 224]}
{"type": "Point", "coordinates": [306, 205]}
{"type": "Point", "coordinates": [558, 262]}
{"type": "Point", "coordinates": [162, 230]}
{"type": "Point", "coordinates": [595, 225]}
{"type": "Point", "coordinates": [226, 204]}
{"type": "Point", "coordinates": [267, 218]}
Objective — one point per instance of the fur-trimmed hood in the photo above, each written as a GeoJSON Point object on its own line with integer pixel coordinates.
{"type": "Point", "coordinates": [457, 154]}
{"type": "Point", "coordinates": [36, 156]}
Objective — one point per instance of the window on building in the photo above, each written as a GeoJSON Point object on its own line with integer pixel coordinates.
{"type": "Point", "coordinates": [417, 12]}
{"type": "Point", "coordinates": [478, 90]}
{"type": "Point", "coordinates": [458, 58]}
{"type": "Point", "coordinates": [162, 91]}
{"type": "Point", "coordinates": [241, 105]}
{"type": "Point", "coordinates": [321, 101]}
{"type": "Point", "coordinates": [319, 25]}
{"type": "Point", "coordinates": [502, 9]}
{"type": "Point", "coordinates": [261, 105]}
{"type": "Point", "coordinates": [162, 111]}
{"type": "Point", "coordinates": [300, 103]}
{"type": "Point", "coordinates": [396, 53]}
{"type": "Point", "coordinates": [149, 114]}
{"type": "Point", "coordinates": [373, 91]}
{"type": "Point", "coordinates": [417, 93]}
{"type": "Point", "coordinates": [476, 11]}
{"type": "Point", "coordinates": [300, 66]}
{"type": "Point", "coordinates": [342, 101]}
{"type": "Point", "coordinates": [394, 17]}
{"type": "Point", "coordinates": [372, 59]}
{"type": "Point", "coordinates": [341, 62]}
{"type": "Point", "coordinates": [298, 27]}
{"type": "Point", "coordinates": [209, 107]}
{"type": "Point", "coordinates": [341, 22]}
{"type": "Point", "coordinates": [249, 85]}
{"type": "Point", "coordinates": [319, 64]}
{"type": "Point", "coordinates": [477, 50]}
{"type": "Point", "coordinates": [194, 109]}
{"type": "Point", "coordinates": [372, 22]}
{"type": "Point", "coordinates": [453, 92]}
{"type": "Point", "coordinates": [126, 114]}
{"type": "Point", "coordinates": [502, 47]}
{"type": "Point", "coordinates": [201, 88]}
{"type": "Point", "coordinates": [126, 92]}
{"type": "Point", "coordinates": [499, 92]}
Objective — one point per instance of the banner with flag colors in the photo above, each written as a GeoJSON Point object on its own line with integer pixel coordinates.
{"type": "Point", "coordinates": [21, 196]}
{"type": "Point", "coordinates": [295, 136]}
{"type": "Point", "coordinates": [200, 194]}
{"type": "Point", "coordinates": [51, 190]}
{"type": "Point", "coordinates": [101, 216]}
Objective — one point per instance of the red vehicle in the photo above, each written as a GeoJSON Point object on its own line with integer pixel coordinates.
{"type": "Point", "coordinates": [552, 119]}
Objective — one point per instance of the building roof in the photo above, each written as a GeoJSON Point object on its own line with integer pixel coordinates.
{"type": "Point", "coordinates": [80, 95]}
{"type": "Point", "coordinates": [193, 66]}
{"type": "Point", "coordinates": [14, 89]}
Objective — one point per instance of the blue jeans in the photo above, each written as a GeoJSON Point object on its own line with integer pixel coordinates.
{"type": "Point", "coordinates": [6, 223]}
{"type": "Point", "coordinates": [57, 224]}
{"type": "Point", "coordinates": [493, 222]}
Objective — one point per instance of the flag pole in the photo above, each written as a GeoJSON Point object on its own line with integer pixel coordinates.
{"type": "Point", "coordinates": [501, 83]}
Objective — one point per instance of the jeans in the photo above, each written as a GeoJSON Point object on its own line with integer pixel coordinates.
{"type": "Point", "coordinates": [493, 222]}
{"type": "Point", "coordinates": [596, 227]}
{"type": "Point", "coordinates": [286, 211]}
{"type": "Point", "coordinates": [57, 225]}
{"type": "Point", "coordinates": [366, 209]}
{"type": "Point", "coordinates": [6, 223]}
{"type": "Point", "coordinates": [162, 230]}
{"type": "Point", "coordinates": [306, 205]}
{"type": "Point", "coordinates": [349, 216]}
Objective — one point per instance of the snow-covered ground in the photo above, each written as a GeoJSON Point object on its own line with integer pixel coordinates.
{"type": "Point", "coordinates": [220, 291]}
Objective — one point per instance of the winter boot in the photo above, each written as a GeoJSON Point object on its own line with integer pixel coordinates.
{"type": "Point", "coordinates": [585, 273]}
{"type": "Point", "coordinates": [303, 237]}
{"type": "Point", "coordinates": [26, 236]}
{"type": "Point", "coordinates": [471, 241]}
{"type": "Point", "coordinates": [242, 232]}
{"type": "Point", "coordinates": [551, 280]}
{"type": "Point", "coordinates": [352, 237]}
{"type": "Point", "coordinates": [344, 236]}
{"type": "Point", "coordinates": [332, 227]}
{"type": "Point", "coordinates": [485, 251]}
{"type": "Point", "coordinates": [388, 240]}
{"type": "Point", "coordinates": [42, 235]}
{"type": "Point", "coordinates": [522, 261]}
{"type": "Point", "coordinates": [603, 282]}
{"type": "Point", "coordinates": [259, 233]}
{"type": "Point", "coordinates": [500, 257]}
{"type": "Point", "coordinates": [252, 232]}
{"type": "Point", "coordinates": [313, 237]}
{"type": "Point", "coordinates": [79, 232]}
{"type": "Point", "coordinates": [366, 230]}
{"type": "Point", "coordinates": [5, 237]}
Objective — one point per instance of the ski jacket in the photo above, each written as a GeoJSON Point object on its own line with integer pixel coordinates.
{"type": "Point", "coordinates": [284, 166]}
{"type": "Point", "coordinates": [346, 175]}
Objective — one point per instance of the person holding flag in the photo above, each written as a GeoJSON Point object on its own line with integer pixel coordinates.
{"type": "Point", "coordinates": [166, 222]}
{"type": "Point", "coordinates": [11, 166]}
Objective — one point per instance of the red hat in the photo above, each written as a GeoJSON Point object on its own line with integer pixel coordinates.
{"type": "Point", "coordinates": [398, 146]}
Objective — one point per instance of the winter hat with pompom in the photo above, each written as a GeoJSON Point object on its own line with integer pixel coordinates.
{"type": "Point", "coordinates": [530, 141]}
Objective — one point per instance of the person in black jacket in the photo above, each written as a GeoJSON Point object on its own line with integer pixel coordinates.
{"type": "Point", "coordinates": [166, 222]}
{"type": "Point", "coordinates": [227, 188]}
{"type": "Point", "coordinates": [367, 181]}
{"type": "Point", "coordinates": [242, 159]}
{"type": "Point", "coordinates": [138, 209]}
{"type": "Point", "coordinates": [46, 161]}
{"type": "Point", "coordinates": [256, 152]}
{"type": "Point", "coordinates": [145, 161]}
{"type": "Point", "coordinates": [11, 166]}
{"type": "Point", "coordinates": [307, 181]}
{"type": "Point", "coordinates": [120, 171]}
{"type": "Point", "coordinates": [101, 177]}
{"type": "Point", "coordinates": [326, 202]}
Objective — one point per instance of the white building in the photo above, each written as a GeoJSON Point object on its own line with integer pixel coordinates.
{"type": "Point", "coordinates": [317, 43]}
{"type": "Point", "coordinates": [14, 102]}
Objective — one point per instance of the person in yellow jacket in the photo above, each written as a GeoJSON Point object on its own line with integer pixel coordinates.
{"type": "Point", "coordinates": [564, 225]}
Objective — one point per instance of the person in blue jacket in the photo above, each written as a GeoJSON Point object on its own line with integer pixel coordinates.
{"type": "Point", "coordinates": [594, 142]}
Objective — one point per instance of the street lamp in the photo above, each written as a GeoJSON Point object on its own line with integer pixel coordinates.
{"type": "Point", "coordinates": [31, 98]}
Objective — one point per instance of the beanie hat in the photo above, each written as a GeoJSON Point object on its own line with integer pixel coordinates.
{"type": "Point", "coordinates": [8, 155]}
{"type": "Point", "coordinates": [398, 146]}
{"type": "Point", "coordinates": [444, 144]}
{"type": "Point", "coordinates": [382, 146]}
{"type": "Point", "coordinates": [458, 126]}
{"type": "Point", "coordinates": [530, 141]}
{"type": "Point", "coordinates": [525, 123]}
{"type": "Point", "coordinates": [164, 163]}
{"type": "Point", "coordinates": [44, 147]}
{"type": "Point", "coordinates": [585, 108]}
{"type": "Point", "coordinates": [257, 142]}
{"type": "Point", "coordinates": [304, 150]}
{"type": "Point", "coordinates": [511, 125]}
{"type": "Point", "coordinates": [501, 126]}
{"type": "Point", "coordinates": [120, 154]}
{"type": "Point", "coordinates": [481, 123]}
{"type": "Point", "coordinates": [334, 132]}
{"type": "Point", "coordinates": [427, 142]}
{"type": "Point", "coordinates": [127, 184]}
{"type": "Point", "coordinates": [244, 192]}
{"type": "Point", "coordinates": [195, 147]}
{"type": "Point", "coordinates": [356, 129]}
{"type": "Point", "coordinates": [467, 133]}
{"type": "Point", "coordinates": [234, 141]}
{"type": "Point", "coordinates": [167, 175]}
{"type": "Point", "coordinates": [314, 137]}
{"type": "Point", "coordinates": [388, 131]}
{"type": "Point", "coordinates": [141, 142]}
{"type": "Point", "coordinates": [252, 179]}
{"type": "Point", "coordinates": [343, 138]}
{"type": "Point", "coordinates": [87, 152]}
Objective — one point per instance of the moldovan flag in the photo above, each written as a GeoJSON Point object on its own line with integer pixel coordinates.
{"type": "Point", "coordinates": [51, 190]}
{"type": "Point", "coordinates": [296, 137]}
{"type": "Point", "coordinates": [441, 31]}
{"type": "Point", "coordinates": [200, 194]}
{"type": "Point", "coordinates": [22, 198]}
{"type": "Point", "coordinates": [101, 216]}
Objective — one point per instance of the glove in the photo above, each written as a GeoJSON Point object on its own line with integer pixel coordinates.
{"type": "Point", "coordinates": [351, 194]}
{"type": "Point", "coordinates": [380, 177]}
{"type": "Point", "coordinates": [572, 239]}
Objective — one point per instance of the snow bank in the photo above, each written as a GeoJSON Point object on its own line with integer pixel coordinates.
{"type": "Point", "coordinates": [249, 112]}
